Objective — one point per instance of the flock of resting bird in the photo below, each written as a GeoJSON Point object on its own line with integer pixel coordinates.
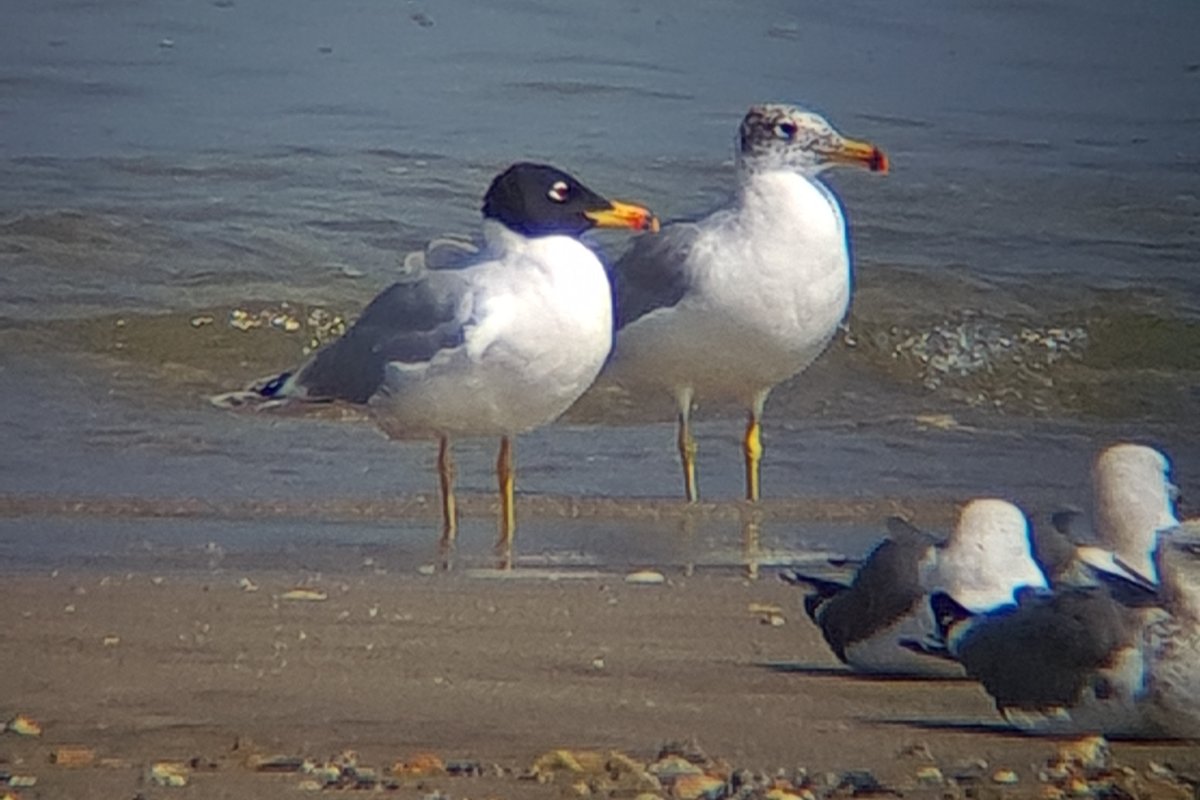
{"type": "Point", "coordinates": [1080, 631]}
{"type": "Point", "coordinates": [1071, 627]}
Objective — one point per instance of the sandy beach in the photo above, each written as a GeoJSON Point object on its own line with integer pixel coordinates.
{"type": "Point", "coordinates": [218, 670]}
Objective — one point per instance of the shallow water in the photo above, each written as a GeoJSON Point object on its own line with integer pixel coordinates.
{"type": "Point", "coordinates": [1028, 268]}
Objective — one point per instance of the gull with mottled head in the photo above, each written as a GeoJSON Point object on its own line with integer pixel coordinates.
{"type": "Point", "coordinates": [723, 309]}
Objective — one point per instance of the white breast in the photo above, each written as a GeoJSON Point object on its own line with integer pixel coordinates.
{"type": "Point", "coordinates": [769, 281]}
{"type": "Point", "coordinates": [542, 329]}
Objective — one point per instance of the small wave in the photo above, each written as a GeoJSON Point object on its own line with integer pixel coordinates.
{"type": "Point", "coordinates": [576, 88]}
{"type": "Point", "coordinates": [1105, 362]}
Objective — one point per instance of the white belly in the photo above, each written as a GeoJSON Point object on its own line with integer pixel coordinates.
{"type": "Point", "coordinates": [768, 284]}
{"type": "Point", "coordinates": [540, 335]}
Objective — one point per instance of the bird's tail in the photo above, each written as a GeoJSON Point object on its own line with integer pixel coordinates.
{"type": "Point", "coordinates": [948, 613]}
{"type": "Point", "coordinates": [264, 393]}
{"type": "Point", "coordinates": [824, 590]}
{"type": "Point", "coordinates": [929, 645]}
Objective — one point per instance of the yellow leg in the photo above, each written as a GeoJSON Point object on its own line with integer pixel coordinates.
{"type": "Point", "coordinates": [508, 516]}
{"type": "Point", "coordinates": [752, 445]}
{"type": "Point", "coordinates": [446, 476]}
{"type": "Point", "coordinates": [687, 446]}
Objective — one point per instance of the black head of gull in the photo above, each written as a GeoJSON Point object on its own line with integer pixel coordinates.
{"type": "Point", "coordinates": [775, 134]}
{"type": "Point", "coordinates": [541, 200]}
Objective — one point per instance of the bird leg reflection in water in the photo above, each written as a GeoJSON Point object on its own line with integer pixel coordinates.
{"type": "Point", "coordinates": [687, 445]}
{"type": "Point", "coordinates": [506, 477]}
{"type": "Point", "coordinates": [446, 476]}
{"type": "Point", "coordinates": [751, 523]}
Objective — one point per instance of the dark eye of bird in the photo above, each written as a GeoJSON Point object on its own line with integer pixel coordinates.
{"type": "Point", "coordinates": [785, 130]}
{"type": "Point", "coordinates": [559, 191]}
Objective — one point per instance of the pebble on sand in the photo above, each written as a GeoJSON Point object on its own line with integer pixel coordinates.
{"type": "Point", "coordinates": [24, 726]}
{"type": "Point", "coordinates": [304, 593]}
{"type": "Point", "coordinates": [169, 773]}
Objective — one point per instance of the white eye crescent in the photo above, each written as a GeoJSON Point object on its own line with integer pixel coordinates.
{"type": "Point", "coordinates": [559, 191]}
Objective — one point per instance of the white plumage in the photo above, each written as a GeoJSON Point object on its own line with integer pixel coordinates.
{"type": "Point", "coordinates": [537, 328]}
{"type": "Point", "coordinates": [723, 309]}
{"type": "Point", "coordinates": [883, 622]}
{"type": "Point", "coordinates": [498, 343]}
{"type": "Point", "coordinates": [987, 558]}
{"type": "Point", "coordinates": [1115, 649]}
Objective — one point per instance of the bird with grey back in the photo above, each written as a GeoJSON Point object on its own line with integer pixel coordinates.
{"type": "Point", "coordinates": [1088, 656]}
{"type": "Point", "coordinates": [501, 343]}
{"type": "Point", "coordinates": [882, 622]}
{"type": "Point", "coordinates": [723, 309]}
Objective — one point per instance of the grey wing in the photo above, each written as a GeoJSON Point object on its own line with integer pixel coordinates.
{"type": "Point", "coordinates": [653, 273]}
{"type": "Point", "coordinates": [886, 587]}
{"type": "Point", "coordinates": [1055, 547]}
{"type": "Point", "coordinates": [409, 322]}
{"type": "Point", "coordinates": [444, 252]}
{"type": "Point", "coordinates": [902, 530]}
{"type": "Point", "coordinates": [1043, 652]}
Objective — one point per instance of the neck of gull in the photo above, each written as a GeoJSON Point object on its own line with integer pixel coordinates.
{"type": "Point", "coordinates": [500, 238]}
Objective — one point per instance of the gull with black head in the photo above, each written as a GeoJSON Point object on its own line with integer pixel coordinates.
{"type": "Point", "coordinates": [723, 309]}
{"type": "Point", "coordinates": [500, 345]}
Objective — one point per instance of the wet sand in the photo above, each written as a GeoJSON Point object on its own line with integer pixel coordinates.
{"type": "Point", "coordinates": [189, 665]}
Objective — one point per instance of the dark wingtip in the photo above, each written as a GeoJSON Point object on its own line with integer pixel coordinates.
{"type": "Point", "coordinates": [948, 612]}
{"type": "Point", "coordinates": [273, 387]}
{"type": "Point", "coordinates": [823, 586]}
{"type": "Point", "coordinates": [812, 605]}
{"type": "Point", "coordinates": [900, 528]}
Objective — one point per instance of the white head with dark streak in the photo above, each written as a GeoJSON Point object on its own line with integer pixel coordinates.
{"type": "Point", "coordinates": [775, 135]}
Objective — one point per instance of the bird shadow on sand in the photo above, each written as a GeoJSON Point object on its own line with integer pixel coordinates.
{"type": "Point", "coordinates": [845, 673]}
{"type": "Point", "coordinates": [1000, 728]}
{"type": "Point", "coordinates": [996, 728]}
